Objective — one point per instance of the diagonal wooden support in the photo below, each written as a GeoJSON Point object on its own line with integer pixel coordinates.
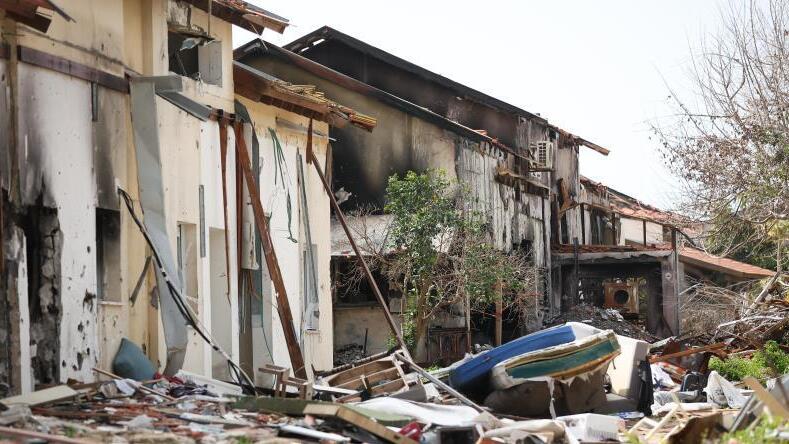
{"type": "Point", "coordinates": [374, 285]}
{"type": "Point", "coordinates": [775, 406]}
{"type": "Point", "coordinates": [283, 305]}
{"type": "Point", "coordinates": [223, 162]}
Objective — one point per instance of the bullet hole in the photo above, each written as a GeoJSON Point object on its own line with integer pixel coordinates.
{"type": "Point", "coordinates": [88, 300]}
{"type": "Point", "coordinates": [80, 327]}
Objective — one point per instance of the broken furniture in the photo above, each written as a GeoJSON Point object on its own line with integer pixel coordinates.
{"type": "Point", "coordinates": [381, 376]}
{"type": "Point", "coordinates": [282, 380]}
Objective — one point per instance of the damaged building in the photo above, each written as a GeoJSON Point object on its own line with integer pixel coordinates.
{"type": "Point", "coordinates": [638, 259]}
{"type": "Point", "coordinates": [140, 168]}
{"type": "Point", "coordinates": [163, 189]}
{"type": "Point", "coordinates": [514, 163]}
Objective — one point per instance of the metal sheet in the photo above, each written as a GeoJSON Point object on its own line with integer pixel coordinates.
{"type": "Point", "coordinates": [149, 176]}
{"type": "Point", "coordinates": [312, 311]}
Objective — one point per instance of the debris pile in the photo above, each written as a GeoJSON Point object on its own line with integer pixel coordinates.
{"type": "Point", "coordinates": [719, 313]}
{"type": "Point", "coordinates": [348, 354]}
{"type": "Point", "coordinates": [605, 319]}
{"type": "Point", "coordinates": [580, 382]}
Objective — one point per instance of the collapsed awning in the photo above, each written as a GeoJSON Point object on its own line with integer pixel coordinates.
{"type": "Point", "coordinates": [34, 13]}
{"type": "Point", "coordinates": [243, 14]}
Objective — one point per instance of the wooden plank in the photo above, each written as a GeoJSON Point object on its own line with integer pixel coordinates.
{"type": "Point", "coordinates": [254, 87]}
{"type": "Point", "coordinates": [352, 417]}
{"type": "Point", "coordinates": [355, 372]}
{"type": "Point", "coordinates": [389, 373]}
{"type": "Point", "coordinates": [283, 304]}
{"type": "Point", "coordinates": [241, 16]}
{"type": "Point", "coordinates": [688, 352]}
{"type": "Point", "coordinates": [772, 404]}
{"type": "Point", "coordinates": [73, 69]}
{"type": "Point", "coordinates": [52, 394]}
{"type": "Point", "coordinates": [285, 406]}
{"type": "Point", "coordinates": [223, 165]}
{"type": "Point", "coordinates": [499, 309]}
{"type": "Point", "coordinates": [389, 387]}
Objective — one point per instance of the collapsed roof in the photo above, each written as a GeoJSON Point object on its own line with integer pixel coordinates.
{"type": "Point", "coordinates": [34, 13]}
{"type": "Point", "coordinates": [305, 100]}
{"type": "Point", "coordinates": [242, 14]}
{"type": "Point", "coordinates": [324, 35]}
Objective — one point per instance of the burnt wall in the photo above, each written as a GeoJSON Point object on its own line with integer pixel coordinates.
{"type": "Point", "coordinates": [441, 99]}
{"type": "Point", "coordinates": [44, 247]}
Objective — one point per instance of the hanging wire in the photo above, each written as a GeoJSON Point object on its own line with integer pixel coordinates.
{"type": "Point", "coordinates": [243, 380]}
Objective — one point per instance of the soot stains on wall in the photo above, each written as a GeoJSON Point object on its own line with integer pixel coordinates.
{"type": "Point", "coordinates": [44, 247]}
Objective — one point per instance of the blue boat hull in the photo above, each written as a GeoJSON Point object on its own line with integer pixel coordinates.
{"type": "Point", "coordinates": [473, 376]}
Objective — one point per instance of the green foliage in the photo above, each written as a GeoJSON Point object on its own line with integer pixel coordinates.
{"type": "Point", "coordinates": [743, 240]}
{"type": "Point", "coordinates": [423, 209]}
{"type": "Point", "coordinates": [442, 252]}
{"type": "Point", "coordinates": [766, 363]}
{"type": "Point", "coordinates": [766, 431]}
{"type": "Point", "coordinates": [484, 268]}
{"type": "Point", "coordinates": [774, 358]}
{"type": "Point", "coordinates": [69, 432]}
{"type": "Point", "coordinates": [736, 368]}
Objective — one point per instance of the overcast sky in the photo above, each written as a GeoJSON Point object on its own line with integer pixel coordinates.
{"type": "Point", "coordinates": [598, 69]}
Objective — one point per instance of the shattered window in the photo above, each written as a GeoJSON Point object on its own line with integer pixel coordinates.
{"type": "Point", "coordinates": [195, 56]}
{"type": "Point", "coordinates": [108, 251]}
{"type": "Point", "coordinates": [351, 287]}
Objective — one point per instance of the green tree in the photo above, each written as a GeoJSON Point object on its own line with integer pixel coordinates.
{"type": "Point", "coordinates": [729, 142]}
{"type": "Point", "coordinates": [441, 254]}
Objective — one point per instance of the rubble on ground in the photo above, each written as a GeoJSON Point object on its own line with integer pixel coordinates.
{"type": "Point", "coordinates": [605, 319]}
{"type": "Point", "coordinates": [574, 382]}
{"type": "Point", "coordinates": [348, 354]}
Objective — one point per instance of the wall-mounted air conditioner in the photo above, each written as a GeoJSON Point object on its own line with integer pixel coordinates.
{"type": "Point", "coordinates": [542, 154]}
{"type": "Point", "coordinates": [621, 296]}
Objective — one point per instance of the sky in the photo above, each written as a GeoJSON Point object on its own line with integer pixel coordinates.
{"type": "Point", "coordinates": [599, 69]}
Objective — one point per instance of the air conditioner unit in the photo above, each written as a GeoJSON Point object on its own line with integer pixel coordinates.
{"type": "Point", "coordinates": [622, 296]}
{"type": "Point", "coordinates": [542, 154]}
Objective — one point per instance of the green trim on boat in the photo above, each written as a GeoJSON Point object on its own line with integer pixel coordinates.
{"type": "Point", "coordinates": [563, 363]}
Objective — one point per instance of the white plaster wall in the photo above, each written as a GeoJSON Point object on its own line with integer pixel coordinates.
{"type": "Point", "coordinates": [211, 179]}
{"type": "Point", "coordinates": [58, 139]}
{"type": "Point", "coordinates": [57, 151]}
{"type": "Point", "coordinates": [26, 373]}
{"type": "Point", "coordinates": [94, 38]}
{"type": "Point", "coordinates": [633, 230]}
{"type": "Point", "coordinates": [317, 345]}
{"type": "Point", "coordinates": [191, 157]}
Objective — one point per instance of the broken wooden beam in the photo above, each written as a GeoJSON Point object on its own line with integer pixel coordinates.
{"type": "Point", "coordinates": [283, 304]}
{"type": "Point", "coordinates": [357, 419]}
{"type": "Point", "coordinates": [688, 352]}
